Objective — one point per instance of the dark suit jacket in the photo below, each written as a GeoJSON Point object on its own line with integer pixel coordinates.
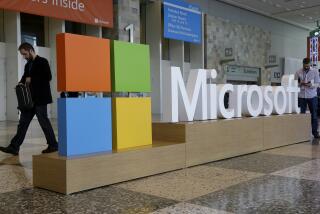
{"type": "Point", "coordinates": [40, 73]}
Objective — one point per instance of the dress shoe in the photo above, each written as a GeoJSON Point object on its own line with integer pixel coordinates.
{"type": "Point", "coordinates": [50, 149]}
{"type": "Point", "coordinates": [9, 150]}
{"type": "Point", "coordinates": [317, 136]}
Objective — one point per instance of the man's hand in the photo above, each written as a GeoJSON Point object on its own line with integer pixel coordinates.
{"type": "Point", "coordinates": [308, 85]}
{"type": "Point", "coordinates": [302, 84]}
{"type": "Point", "coordinates": [28, 80]}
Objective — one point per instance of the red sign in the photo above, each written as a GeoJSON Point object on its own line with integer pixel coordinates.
{"type": "Point", "coordinates": [95, 12]}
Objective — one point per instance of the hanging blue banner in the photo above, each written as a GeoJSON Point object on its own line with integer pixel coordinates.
{"type": "Point", "coordinates": [182, 21]}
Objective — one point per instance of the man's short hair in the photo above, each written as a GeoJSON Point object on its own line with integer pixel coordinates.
{"type": "Point", "coordinates": [26, 46]}
{"type": "Point", "coordinates": [306, 61]}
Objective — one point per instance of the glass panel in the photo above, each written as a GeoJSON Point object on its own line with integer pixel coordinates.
{"type": "Point", "coordinates": [112, 33]}
{"type": "Point", "coordinates": [186, 52]}
{"type": "Point", "coordinates": [143, 24]}
{"type": "Point", "coordinates": [32, 29]}
{"type": "Point", "coordinates": [165, 42]}
{"type": "Point", "coordinates": [75, 28]}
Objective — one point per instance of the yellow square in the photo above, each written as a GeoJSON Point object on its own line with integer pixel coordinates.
{"type": "Point", "coordinates": [132, 123]}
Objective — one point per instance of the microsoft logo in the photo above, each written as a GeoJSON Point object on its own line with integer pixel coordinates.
{"type": "Point", "coordinates": [100, 124]}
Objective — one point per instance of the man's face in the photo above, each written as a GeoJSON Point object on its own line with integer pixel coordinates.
{"type": "Point", "coordinates": [26, 54]}
{"type": "Point", "coordinates": [306, 66]}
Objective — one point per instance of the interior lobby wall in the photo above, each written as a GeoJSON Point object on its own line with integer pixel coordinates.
{"type": "Point", "coordinates": [250, 45]}
{"type": "Point", "coordinates": [287, 40]}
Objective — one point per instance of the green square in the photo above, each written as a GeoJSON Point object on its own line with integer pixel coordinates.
{"type": "Point", "coordinates": [130, 67]}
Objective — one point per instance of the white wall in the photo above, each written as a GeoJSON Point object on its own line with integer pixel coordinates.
{"type": "Point", "coordinates": [291, 65]}
{"type": "Point", "coordinates": [285, 46]}
{"type": "Point", "coordinates": [286, 40]}
{"type": "Point", "coordinates": [3, 89]}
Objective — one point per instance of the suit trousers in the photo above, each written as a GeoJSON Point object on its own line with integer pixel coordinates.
{"type": "Point", "coordinates": [312, 103]}
{"type": "Point", "coordinates": [24, 122]}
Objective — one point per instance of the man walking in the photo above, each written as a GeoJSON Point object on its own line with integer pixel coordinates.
{"type": "Point", "coordinates": [309, 80]}
{"type": "Point", "coordinates": [37, 75]}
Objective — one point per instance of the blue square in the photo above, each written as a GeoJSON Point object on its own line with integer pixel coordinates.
{"type": "Point", "coordinates": [84, 125]}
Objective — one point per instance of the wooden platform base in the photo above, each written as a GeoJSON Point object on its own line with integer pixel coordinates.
{"type": "Point", "coordinates": [76, 174]}
{"type": "Point", "coordinates": [220, 139]}
{"type": "Point", "coordinates": [175, 146]}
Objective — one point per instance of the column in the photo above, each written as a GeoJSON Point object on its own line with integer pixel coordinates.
{"type": "Point", "coordinates": [14, 70]}
{"type": "Point", "coordinates": [55, 26]}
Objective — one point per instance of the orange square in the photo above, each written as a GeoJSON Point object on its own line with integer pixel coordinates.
{"type": "Point", "coordinates": [83, 63]}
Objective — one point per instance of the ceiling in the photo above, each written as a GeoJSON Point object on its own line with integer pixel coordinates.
{"type": "Point", "coordinates": [304, 13]}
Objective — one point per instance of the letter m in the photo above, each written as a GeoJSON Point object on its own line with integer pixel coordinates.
{"type": "Point", "coordinates": [180, 103]}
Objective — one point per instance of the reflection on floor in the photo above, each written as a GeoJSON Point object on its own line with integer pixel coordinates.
{"type": "Point", "coordinates": [282, 180]}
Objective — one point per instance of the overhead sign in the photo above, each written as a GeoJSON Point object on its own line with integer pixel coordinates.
{"type": "Point", "coordinates": [313, 50]}
{"type": "Point", "coordinates": [182, 21]}
{"type": "Point", "coordinates": [95, 12]}
{"type": "Point", "coordinates": [276, 75]}
{"type": "Point", "coordinates": [242, 70]}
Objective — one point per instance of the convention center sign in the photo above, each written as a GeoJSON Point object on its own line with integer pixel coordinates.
{"type": "Point", "coordinates": [95, 12]}
{"type": "Point", "coordinates": [182, 21]}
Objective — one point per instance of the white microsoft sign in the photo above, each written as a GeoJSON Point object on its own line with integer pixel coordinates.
{"type": "Point", "coordinates": [200, 100]}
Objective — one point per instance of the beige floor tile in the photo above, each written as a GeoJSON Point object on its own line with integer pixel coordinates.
{"type": "Point", "coordinates": [34, 130]}
{"type": "Point", "coordinates": [309, 170]}
{"type": "Point", "coordinates": [186, 208]}
{"type": "Point", "coordinates": [34, 141]}
{"type": "Point", "coordinates": [7, 132]}
{"type": "Point", "coordinates": [300, 150]}
{"type": "Point", "coordinates": [24, 159]}
{"type": "Point", "coordinates": [7, 159]}
{"type": "Point", "coordinates": [14, 178]}
{"type": "Point", "coordinates": [189, 183]}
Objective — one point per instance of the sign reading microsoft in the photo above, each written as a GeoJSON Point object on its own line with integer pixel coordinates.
{"type": "Point", "coordinates": [202, 100]}
{"type": "Point", "coordinates": [182, 21]}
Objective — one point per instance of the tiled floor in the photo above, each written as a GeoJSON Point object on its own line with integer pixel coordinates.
{"type": "Point", "coordinates": [282, 180]}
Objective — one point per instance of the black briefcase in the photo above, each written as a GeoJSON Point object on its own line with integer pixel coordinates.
{"type": "Point", "coordinates": [24, 97]}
